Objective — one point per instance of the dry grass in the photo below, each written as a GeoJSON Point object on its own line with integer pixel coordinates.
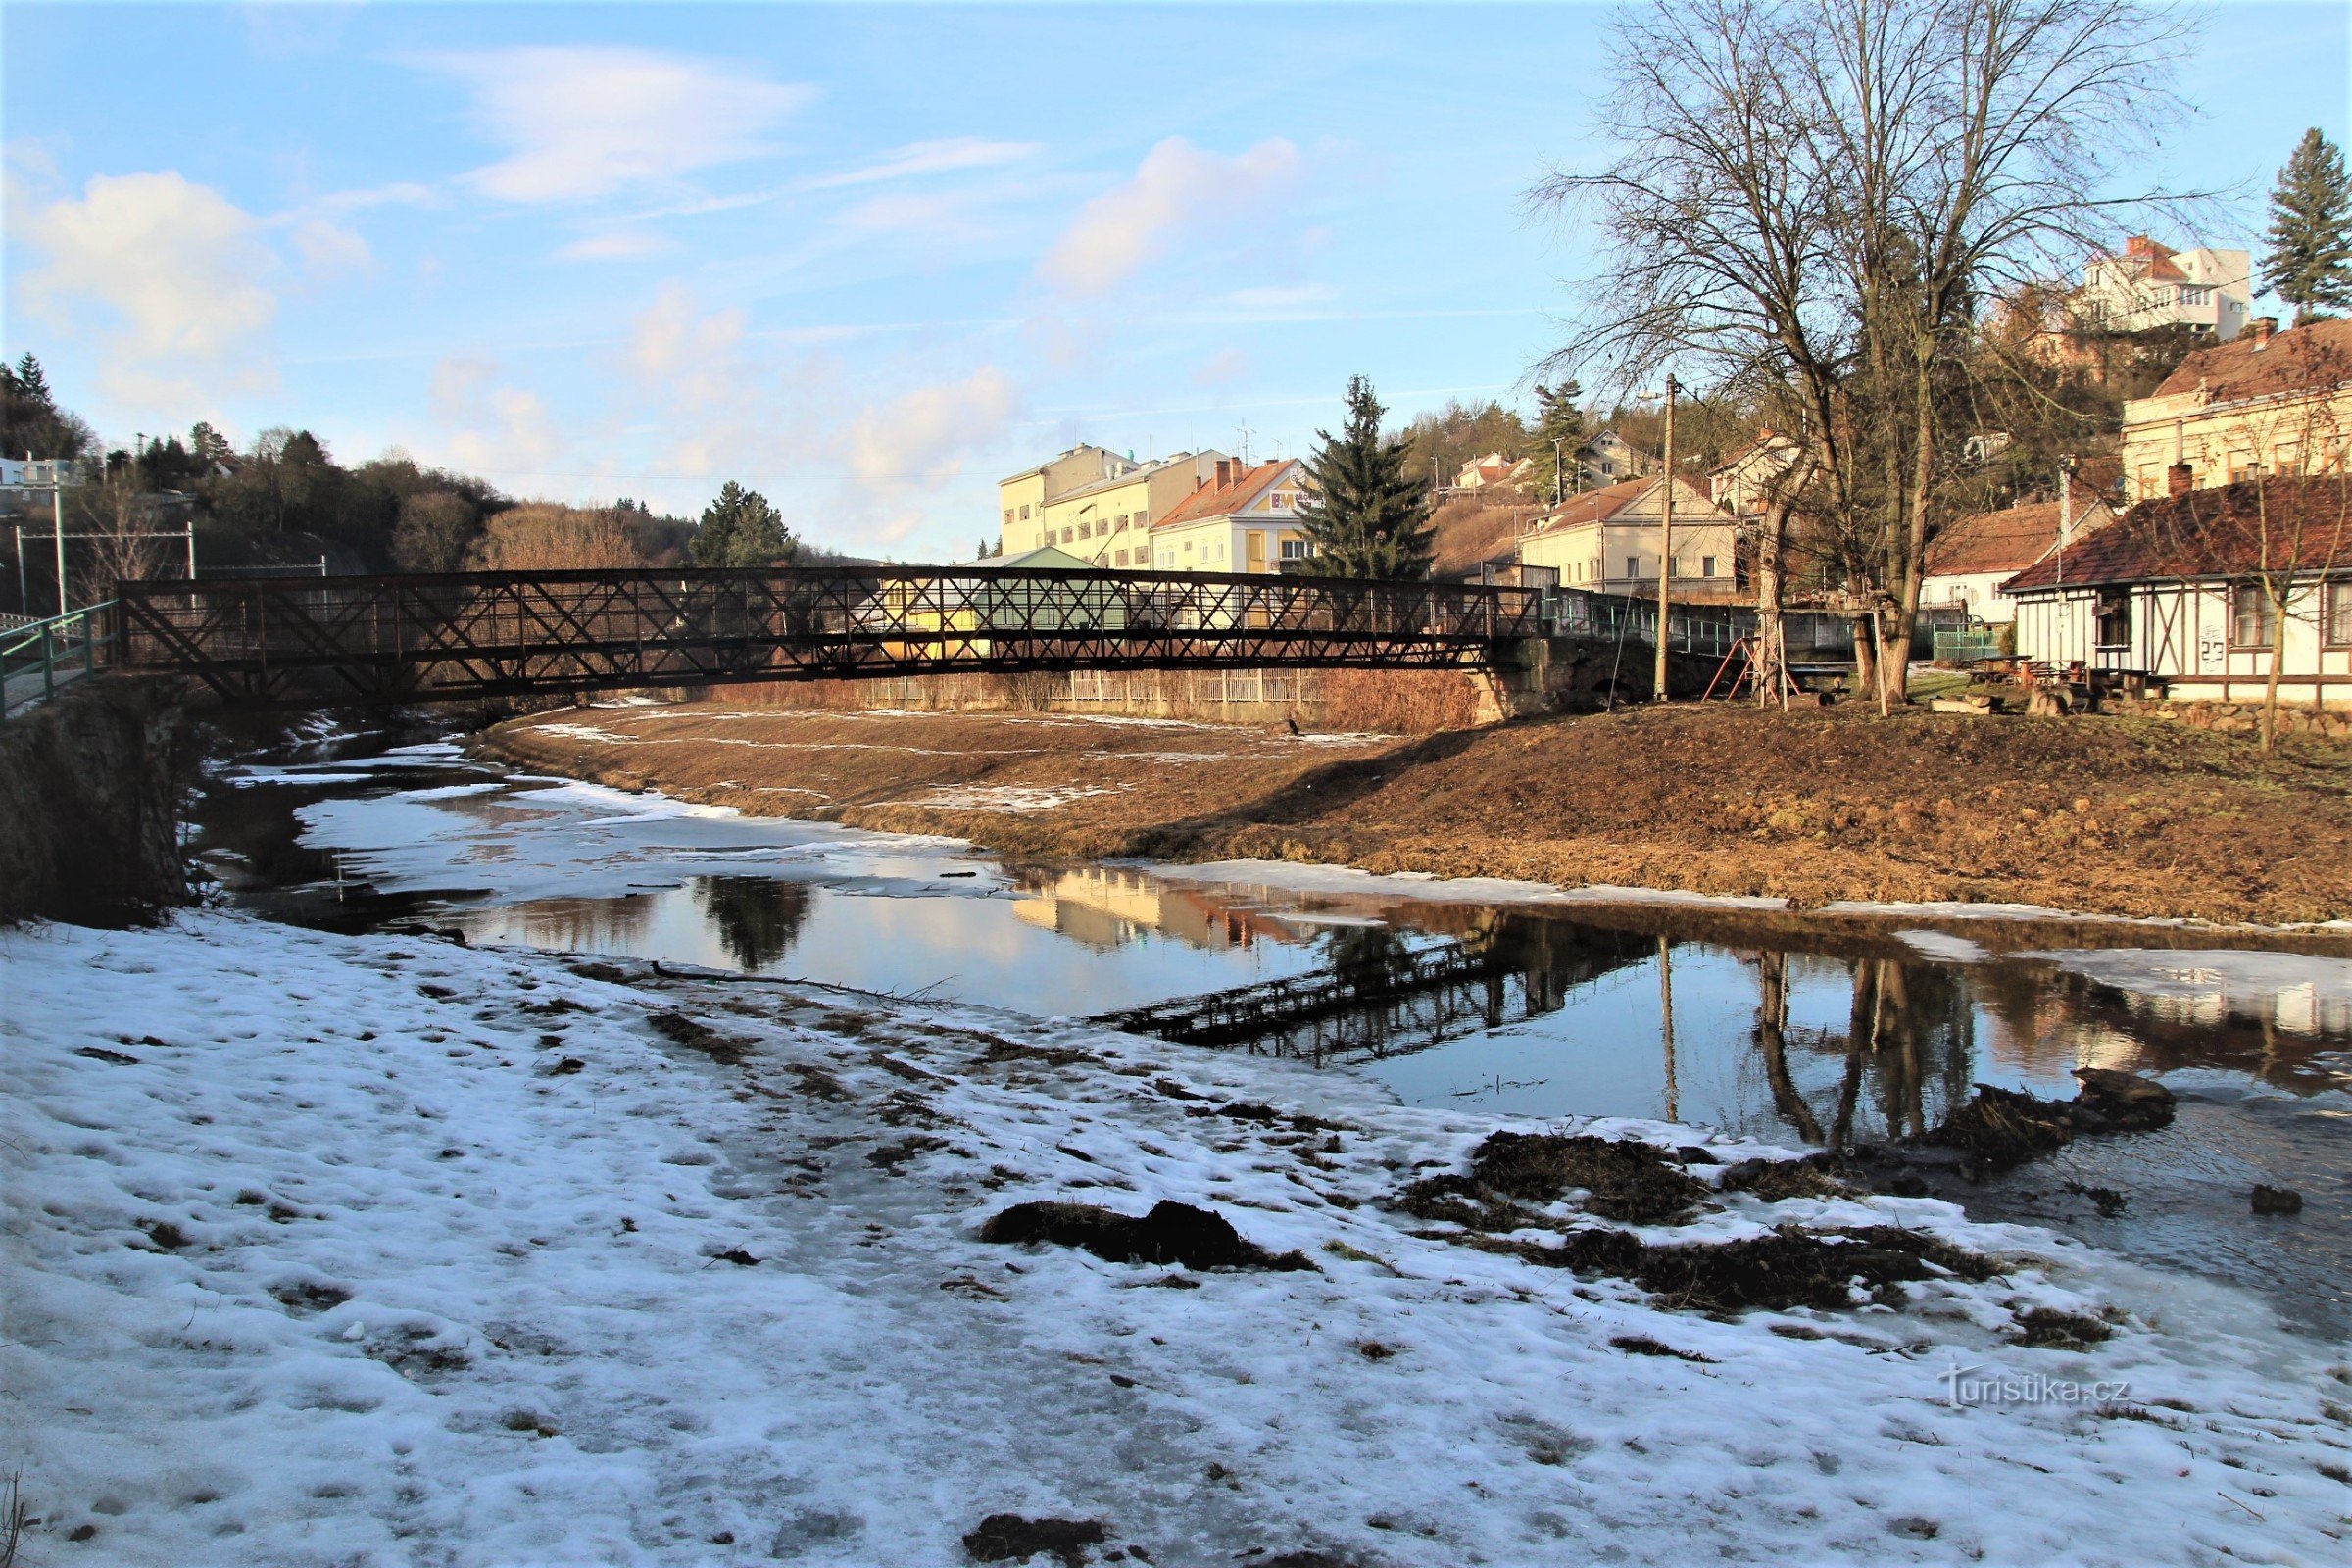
{"type": "Point", "coordinates": [2111, 817]}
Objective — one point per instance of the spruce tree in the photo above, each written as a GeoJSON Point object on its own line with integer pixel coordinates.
{"type": "Point", "coordinates": [2309, 263]}
{"type": "Point", "coordinates": [1366, 516]}
{"type": "Point", "coordinates": [1558, 434]}
{"type": "Point", "coordinates": [741, 530]}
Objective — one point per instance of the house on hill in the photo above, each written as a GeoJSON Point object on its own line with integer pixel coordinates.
{"type": "Point", "coordinates": [2174, 591]}
{"type": "Point", "coordinates": [1967, 564]}
{"type": "Point", "coordinates": [1480, 473]}
{"type": "Point", "coordinates": [1607, 458]}
{"type": "Point", "coordinates": [1238, 519]}
{"type": "Point", "coordinates": [2265, 403]}
{"type": "Point", "coordinates": [2148, 286]}
{"type": "Point", "coordinates": [1608, 541]}
{"type": "Point", "coordinates": [1741, 483]}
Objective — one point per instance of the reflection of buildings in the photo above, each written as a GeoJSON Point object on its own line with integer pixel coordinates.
{"type": "Point", "coordinates": [1104, 907]}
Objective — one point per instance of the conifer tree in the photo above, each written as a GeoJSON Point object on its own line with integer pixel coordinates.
{"type": "Point", "coordinates": [1366, 516]}
{"type": "Point", "coordinates": [1559, 433]}
{"type": "Point", "coordinates": [741, 530]}
{"type": "Point", "coordinates": [2309, 263]}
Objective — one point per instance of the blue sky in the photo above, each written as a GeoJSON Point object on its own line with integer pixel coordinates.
{"type": "Point", "coordinates": [866, 259]}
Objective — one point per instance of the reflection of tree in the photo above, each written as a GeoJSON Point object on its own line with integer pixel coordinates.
{"type": "Point", "coordinates": [757, 917]}
{"type": "Point", "coordinates": [1367, 955]}
{"type": "Point", "coordinates": [1772, 1043]}
{"type": "Point", "coordinates": [1909, 1022]}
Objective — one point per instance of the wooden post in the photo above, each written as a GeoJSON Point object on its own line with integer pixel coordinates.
{"type": "Point", "coordinates": [1658, 687]}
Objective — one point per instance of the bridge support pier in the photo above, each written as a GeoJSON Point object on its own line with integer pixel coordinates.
{"type": "Point", "coordinates": [1539, 675]}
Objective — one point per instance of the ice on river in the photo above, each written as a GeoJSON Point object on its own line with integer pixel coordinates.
{"type": "Point", "coordinates": [383, 1250]}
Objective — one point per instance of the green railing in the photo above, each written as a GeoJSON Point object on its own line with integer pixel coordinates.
{"type": "Point", "coordinates": [38, 657]}
{"type": "Point", "coordinates": [1966, 647]}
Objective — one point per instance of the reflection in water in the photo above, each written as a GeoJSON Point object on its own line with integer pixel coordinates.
{"type": "Point", "coordinates": [757, 917]}
{"type": "Point", "coordinates": [1818, 1035]}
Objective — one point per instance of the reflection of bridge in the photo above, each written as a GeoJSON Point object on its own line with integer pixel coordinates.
{"type": "Point", "coordinates": [1408, 1002]}
{"type": "Point", "coordinates": [407, 638]}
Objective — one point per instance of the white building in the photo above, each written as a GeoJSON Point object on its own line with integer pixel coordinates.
{"type": "Point", "coordinates": [1973, 557]}
{"type": "Point", "coordinates": [1240, 519]}
{"type": "Point", "coordinates": [2210, 292]}
{"type": "Point", "coordinates": [2172, 591]}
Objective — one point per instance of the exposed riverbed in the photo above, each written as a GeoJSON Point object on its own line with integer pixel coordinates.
{"type": "Point", "coordinates": [1492, 999]}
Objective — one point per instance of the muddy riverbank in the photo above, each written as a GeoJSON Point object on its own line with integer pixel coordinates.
{"type": "Point", "coordinates": [2109, 817]}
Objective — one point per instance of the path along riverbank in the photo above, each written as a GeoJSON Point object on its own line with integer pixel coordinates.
{"type": "Point", "coordinates": [2118, 817]}
{"type": "Point", "coordinates": [373, 1249]}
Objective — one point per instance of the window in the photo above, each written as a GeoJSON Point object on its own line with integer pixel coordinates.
{"type": "Point", "coordinates": [1067, 533]}
{"type": "Point", "coordinates": [1086, 530]}
{"type": "Point", "coordinates": [2286, 458]}
{"type": "Point", "coordinates": [2338, 615]}
{"type": "Point", "coordinates": [1025, 512]}
{"type": "Point", "coordinates": [1118, 557]}
{"type": "Point", "coordinates": [1633, 566]}
{"type": "Point", "coordinates": [2112, 628]}
{"type": "Point", "coordinates": [2251, 621]}
{"type": "Point", "coordinates": [1007, 514]}
{"type": "Point", "coordinates": [1295, 550]}
{"type": "Point", "coordinates": [1121, 523]}
{"type": "Point", "coordinates": [1706, 566]}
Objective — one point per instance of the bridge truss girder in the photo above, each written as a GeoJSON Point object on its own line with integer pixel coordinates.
{"type": "Point", "coordinates": [312, 640]}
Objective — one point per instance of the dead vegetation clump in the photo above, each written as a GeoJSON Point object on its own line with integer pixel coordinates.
{"type": "Point", "coordinates": [1171, 1233]}
{"type": "Point", "coordinates": [1625, 1179]}
{"type": "Point", "coordinates": [2045, 1328]}
{"type": "Point", "coordinates": [1638, 1183]}
{"type": "Point", "coordinates": [725, 1049]}
{"type": "Point", "coordinates": [2000, 1128]}
{"type": "Point", "coordinates": [1010, 1538]}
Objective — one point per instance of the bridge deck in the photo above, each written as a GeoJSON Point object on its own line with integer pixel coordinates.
{"type": "Point", "coordinates": [411, 638]}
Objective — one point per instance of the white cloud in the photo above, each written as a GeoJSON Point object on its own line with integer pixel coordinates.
{"type": "Point", "coordinates": [495, 428]}
{"type": "Point", "coordinates": [175, 270]}
{"type": "Point", "coordinates": [400, 193]}
{"type": "Point", "coordinates": [904, 452]}
{"type": "Point", "coordinates": [584, 120]}
{"type": "Point", "coordinates": [327, 247]}
{"type": "Point", "coordinates": [930, 157]}
{"type": "Point", "coordinates": [615, 245]}
{"type": "Point", "coordinates": [945, 215]}
{"type": "Point", "coordinates": [1177, 186]}
{"type": "Point", "coordinates": [1222, 368]}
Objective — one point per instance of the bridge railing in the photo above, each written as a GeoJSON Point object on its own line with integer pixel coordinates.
{"type": "Point", "coordinates": [37, 656]}
{"type": "Point", "coordinates": [491, 634]}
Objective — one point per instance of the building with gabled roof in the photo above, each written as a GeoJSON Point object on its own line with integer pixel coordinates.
{"type": "Point", "coordinates": [2266, 403]}
{"type": "Point", "coordinates": [1608, 540]}
{"type": "Point", "coordinates": [1242, 519]}
{"type": "Point", "coordinates": [1742, 483]}
{"type": "Point", "coordinates": [2147, 287]}
{"type": "Point", "coordinates": [1972, 557]}
{"type": "Point", "coordinates": [2174, 592]}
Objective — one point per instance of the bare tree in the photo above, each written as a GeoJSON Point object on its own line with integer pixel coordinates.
{"type": "Point", "coordinates": [1822, 195]}
{"type": "Point", "coordinates": [117, 520]}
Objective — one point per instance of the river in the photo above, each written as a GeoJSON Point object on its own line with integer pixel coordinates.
{"type": "Point", "coordinates": [1508, 1001]}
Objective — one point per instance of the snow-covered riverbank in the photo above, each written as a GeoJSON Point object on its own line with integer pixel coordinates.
{"type": "Point", "coordinates": [384, 1250]}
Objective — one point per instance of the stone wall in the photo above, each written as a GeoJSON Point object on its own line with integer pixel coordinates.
{"type": "Point", "coordinates": [2294, 718]}
{"type": "Point", "coordinates": [89, 805]}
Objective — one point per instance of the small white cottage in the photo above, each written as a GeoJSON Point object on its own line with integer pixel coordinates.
{"type": "Point", "coordinates": [2190, 592]}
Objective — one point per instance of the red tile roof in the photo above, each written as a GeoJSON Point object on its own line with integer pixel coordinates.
{"type": "Point", "coordinates": [1595, 506]}
{"type": "Point", "coordinates": [2212, 533]}
{"type": "Point", "coordinates": [2008, 540]}
{"type": "Point", "coordinates": [1214, 500]}
{"type": "Point", "coordinates": [2306, 358]}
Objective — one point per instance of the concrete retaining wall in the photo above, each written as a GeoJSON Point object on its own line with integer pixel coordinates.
{"type": "Point", "coordinates": [89, 805]}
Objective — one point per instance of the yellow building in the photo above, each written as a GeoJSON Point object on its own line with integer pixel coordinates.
{"type": "Point", "coordinates": [1238, 519]}
{"type": "Point", "coordinates": [1095, 504]}
{"type": "Point", "coordinates": [2265, 402]}
{"type": "Point", "coordinates": [1607, 541]}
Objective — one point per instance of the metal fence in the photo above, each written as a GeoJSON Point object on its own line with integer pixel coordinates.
{"type": "Point", "coordinates": [37, 656]}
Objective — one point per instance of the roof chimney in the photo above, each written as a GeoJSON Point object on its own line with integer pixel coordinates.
{"type": "Point", "coordinates": [2140, 245]}
{"type": "Point", "coordinates": [1224, 473]}
{"type": "Point", "coordinates": [2179, 479]}
{"type": "Point", "coordinates": [2261, 329]}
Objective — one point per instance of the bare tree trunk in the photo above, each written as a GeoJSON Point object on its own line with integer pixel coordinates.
{"type": "Point", "coordinates": [1772, 1040]}
{"type": "Point", "coordinates": [2270, 688]}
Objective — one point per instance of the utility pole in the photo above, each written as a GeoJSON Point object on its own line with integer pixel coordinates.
{"type": "Point", "coordinates": [57, 513]}
{"type": "Point", "coordinates": [1559, 478]}
{"type": "Point", "coordinates": [1665, 540]}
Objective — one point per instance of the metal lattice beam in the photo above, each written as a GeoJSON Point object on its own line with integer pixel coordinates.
{"type": "Point", "coordinates": [320, 640]}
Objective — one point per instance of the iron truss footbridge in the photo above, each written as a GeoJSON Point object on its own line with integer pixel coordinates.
{"type": "Point", "coordinates": [330, 640]}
